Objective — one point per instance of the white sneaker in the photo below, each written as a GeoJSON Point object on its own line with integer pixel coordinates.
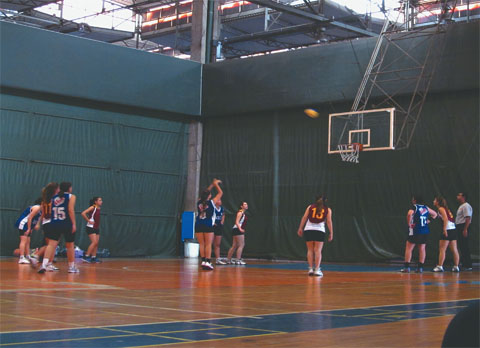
{"type": "Point", "coordinates": [208, 266]}
{"type": "Point", "coordinates": [42, 269]}
{"type": "Point", "coordinates": [220, 262]}
{"type": "Point", "coordinates": [241, 262]}
{"type": "Point", "coordinates": [310, 271]}
{"type": "Point", "coordinates": [23, 261]}
{"type": "Point", "coordinates": [52, 268]}
{"type": "Point", "coordinates": [33, 261]}
{"type": "Point", "coordinates": [233, 261]}
{"type": "Point", "coordinates": [455, 269]}
{"type": "Point", "coordinates": [203, 264]}
{"type": "Point", "coordinates": [438, 269]}
{"type": "Point", "coordinates": [318, 272]}
{"type": "Point", "coordinates": [73, 270]}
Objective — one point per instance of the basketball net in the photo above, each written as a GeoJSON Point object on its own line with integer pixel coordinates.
{"type": "Point", "coordinates": [350, 152]}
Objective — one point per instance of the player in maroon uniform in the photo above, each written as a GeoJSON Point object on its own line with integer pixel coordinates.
{"type": "Point", "coordinates": [92, 216]}
{"type": "Point", "coordinates": [312, 227]}
{"type": "Point", "coordinates": [448, 237]}
{"type": "Point", "coordinates": [238, 232]}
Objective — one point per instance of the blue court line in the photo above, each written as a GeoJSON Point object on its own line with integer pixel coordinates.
{"type": "Point", "coordinates": [217, 329]}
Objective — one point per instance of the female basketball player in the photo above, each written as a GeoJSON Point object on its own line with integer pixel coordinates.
{"type": "Point", "coordinates": [46, 207]}
{"type": "Point", "coordinates": [418, 230]}
{"type": "Point", "coordinates": [448, 237]}
{"type": "Point", "coordinates": [218, 231]}
{"type": "Point", "coordinates": [92, 216]}
{"type": "Point", "coordinates": [25, 223]}
{"type": "Point", "coordinates": [62, 222]}
{"type": "Point", "coordinates": [238, 232]}
{"type": "Point", "coordinates": [204, 222]}
{"type": "Point", "coordinates": [312, 228]}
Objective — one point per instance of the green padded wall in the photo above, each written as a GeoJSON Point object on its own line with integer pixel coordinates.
{"type": "Point", "coordinates": [136, 163]}
{"type": "Point", "coordinates": [277, 161]}
{"type": "Point", "coordinates": [54, 63]}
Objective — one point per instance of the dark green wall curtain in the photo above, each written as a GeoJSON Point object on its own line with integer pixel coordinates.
{"type": "Point", "coordinates": [277, 161]}
{"type": "Point", "coordinates": [136, 163]}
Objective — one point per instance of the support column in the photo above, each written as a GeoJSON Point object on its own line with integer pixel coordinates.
{"type": "Point", "coordinates": [199, 30]}
{"type": "Point", "coordinates": [197, 52]}
{"type": "Point", "coordinates": [193, 165]}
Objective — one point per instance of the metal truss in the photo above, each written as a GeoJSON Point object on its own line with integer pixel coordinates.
{"type": "Point", "coordinates": [402, 65]}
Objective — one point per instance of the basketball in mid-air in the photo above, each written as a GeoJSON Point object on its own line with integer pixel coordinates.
{"type": "Point", "coordinates": [311, 113]}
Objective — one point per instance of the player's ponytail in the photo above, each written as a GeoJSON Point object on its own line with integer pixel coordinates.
{"type": "Point", "coordinates": [47, 194]}
{"type": "Point", "coordinates": [204, 196]}
{"type": "Point", "coordinates": [442, 202]}
{"type": "Point", "coordinates": [64, 187]}
{"type": "Point", "coordinates": [93, 200]}
{"type": "Point", "coordinates": [321, 202]}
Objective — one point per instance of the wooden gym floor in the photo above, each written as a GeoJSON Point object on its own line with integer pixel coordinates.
{"type": "Point", "coordinates": [149, 303]}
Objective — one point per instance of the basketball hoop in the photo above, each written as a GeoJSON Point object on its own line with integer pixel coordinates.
{"type": "Point", "coordinates": [350, 152]}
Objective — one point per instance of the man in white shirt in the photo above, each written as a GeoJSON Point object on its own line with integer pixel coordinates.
{"type": "Point", "coordinates": [462, 221]}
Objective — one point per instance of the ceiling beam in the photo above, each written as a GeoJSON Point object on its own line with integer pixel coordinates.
{"type": "Point", "coordinates": [270, 33]}
{"type": "Point", "coordinates": [311, 16]}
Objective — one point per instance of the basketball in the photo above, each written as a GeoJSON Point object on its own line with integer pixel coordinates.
{"type": "Point", "coordinates": [311, 113]}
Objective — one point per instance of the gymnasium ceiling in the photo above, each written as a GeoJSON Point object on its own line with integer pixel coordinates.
{"type": "Point", "coordinates": [247, 28]}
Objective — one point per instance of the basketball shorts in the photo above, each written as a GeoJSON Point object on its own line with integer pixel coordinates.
{"type": "Point", "coordinates": [236, 232]}
{"type": "Point", "coordinates": [91, 230]}
{"type": "Point", "coordinates": [56, 231]}
{"type": "Point", "coordinates": [452, 235]}
{"type": "Point", "coordinates": [201, 228]}
{"type": "Point", "coordinates": [21, 233]}
{"type": "Point", "coordinates": [218, 230]}
{"type": "Point", "coordinates": [418, 239]}
{"type": "Point", "coordinates": [314, 236]}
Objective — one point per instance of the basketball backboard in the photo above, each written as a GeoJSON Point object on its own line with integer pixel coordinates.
{"type": "Point", "coordinates": [372, 128]}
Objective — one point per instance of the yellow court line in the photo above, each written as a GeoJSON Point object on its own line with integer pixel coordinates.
{"type": "Point", "coordinates": [209, 340]}
{"type": "Point", "coordinates": [132, 305]}
{"type": "Point", "coordinates": [66, 340]}
{"type": "Point", "coordinates": [217, 327]}
{"type": "Point", "coordinates": [39, 319]}
{"type": "Point", "coordinates": [96, 310]}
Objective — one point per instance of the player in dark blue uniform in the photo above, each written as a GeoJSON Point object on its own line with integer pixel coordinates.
{"type": "Point", "coordinates": [25, 225]}
{"type": "Point", "coordinates": [218, 231]}
{"type": "Point", "coordinates": [205, 221]}
{"type": "Point", "coordinates": [62, 222]}
{"type": "Point", "coordinates": [418, 230]}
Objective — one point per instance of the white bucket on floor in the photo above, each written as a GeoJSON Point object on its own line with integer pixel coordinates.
{"type": "Point", "coordinates": [191, 249]}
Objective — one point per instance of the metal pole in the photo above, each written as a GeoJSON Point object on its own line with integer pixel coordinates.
{"type": "Point", "coordinates": [468, 11]}
{"type": "Point", "coordinates": [208, 39]}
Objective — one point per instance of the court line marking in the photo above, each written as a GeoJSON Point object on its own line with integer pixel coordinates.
{"type": "Point", "coordinates": [137, 306]}
{"type": "Point", "coordinates": [209, 340]}
{"type": "Point", "coordinates": [40, 319]}
{"type": "Point", "coordinates": [182, 340]}
{"type": "Point", "coordinates": [220, 318]}
{"type": "Point", "coordinates": [96, 310]}
{"type": "Point", "coordinates": [160, 334]}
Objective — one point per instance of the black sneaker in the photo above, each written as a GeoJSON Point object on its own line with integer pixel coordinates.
{"type": "Point", "coordinates": [419, 270]}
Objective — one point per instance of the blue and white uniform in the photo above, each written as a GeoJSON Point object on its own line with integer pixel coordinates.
{"type": "Point", "coordinates": [218, 227]}
{"type": "Point", "coordinates": [61, 222]}
{"type": "Point", "coordinates": [60, 214]}
{"type": "Point", "coordinates": [22, 222]}
{"type": "Point", "coordinates": [218, 215]}
{"type": "Point", "coordinates": [419, 220]}
{"type": "Point", "coordinates": [205, 216]}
